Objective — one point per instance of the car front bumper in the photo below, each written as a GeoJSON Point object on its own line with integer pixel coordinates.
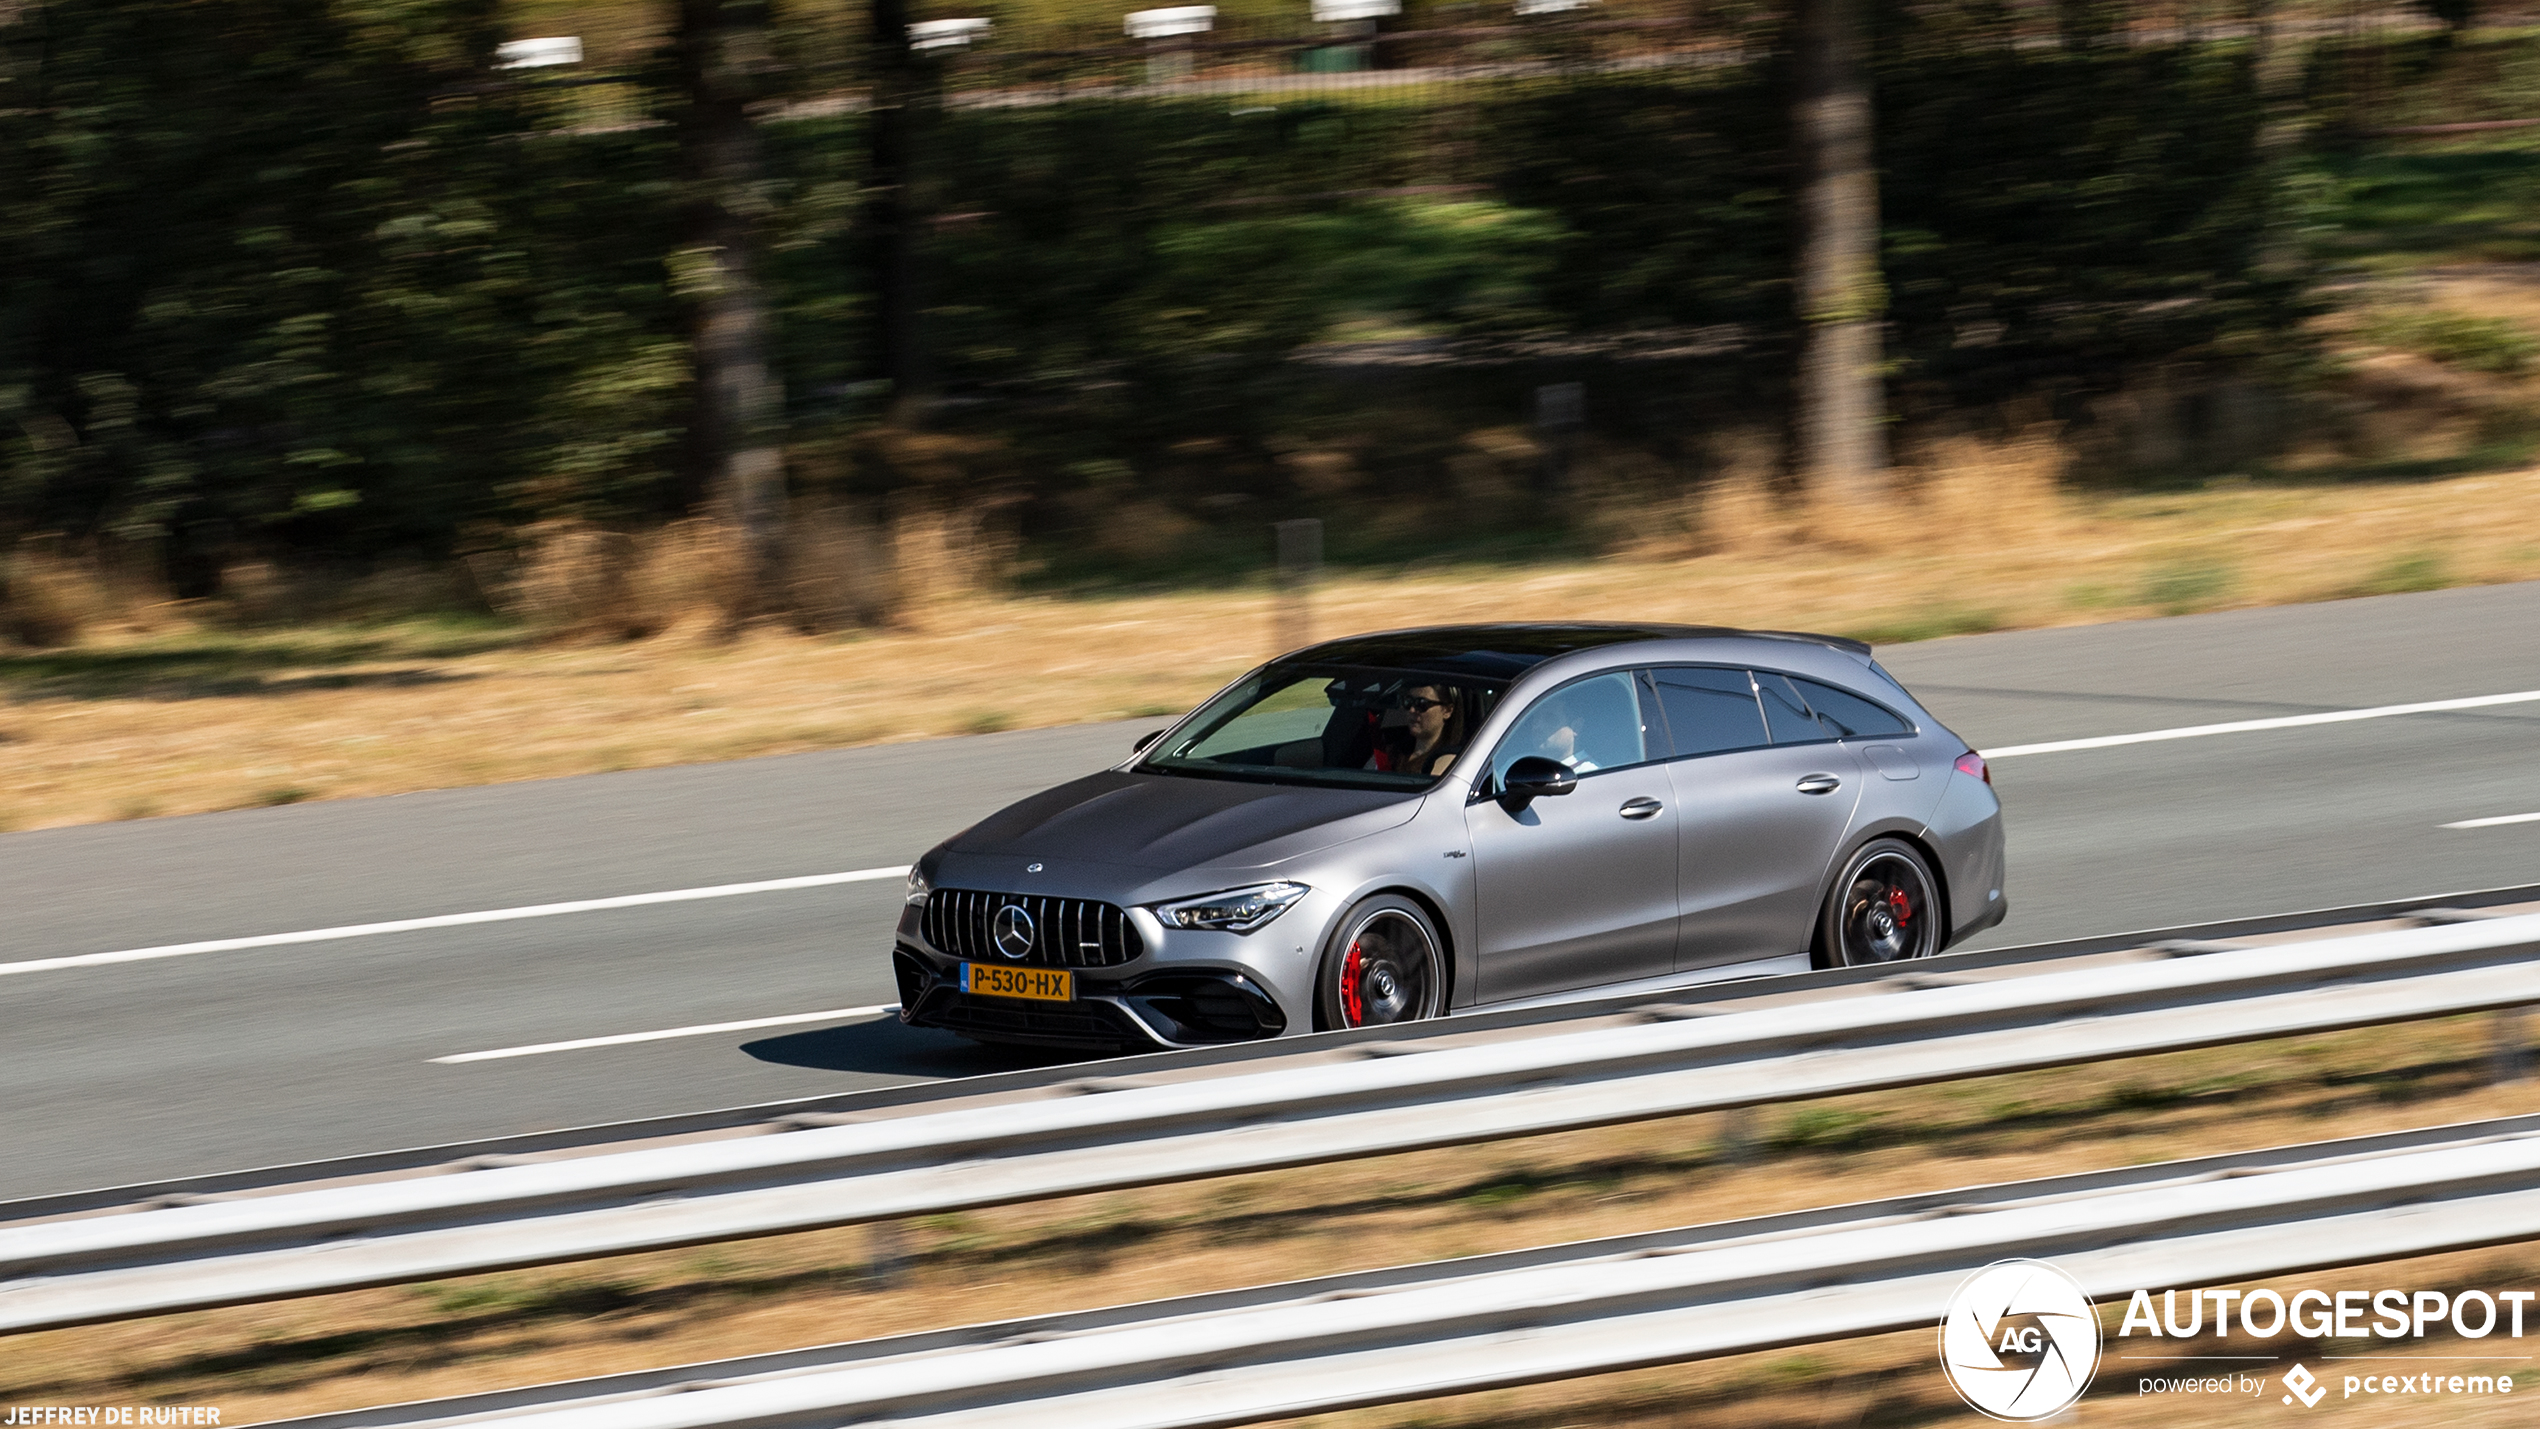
{"type": "Point", "coordinates": [1136, 1008]}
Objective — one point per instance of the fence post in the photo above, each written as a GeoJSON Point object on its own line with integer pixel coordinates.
{"type": "Point", "coordinates": [1737, 1135]}
{"type": "Point", "coordinates": [1300, 562]}
{"type": "Point", "coordinates": [2508, 1055]}
{"type": "Point", "coordinates": [1560, 411]}
{"type": "Point", "coordinates": [886, 1258]}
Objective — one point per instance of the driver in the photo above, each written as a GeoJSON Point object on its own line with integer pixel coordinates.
{"type": "Point", "coordinates": [1432, 734]}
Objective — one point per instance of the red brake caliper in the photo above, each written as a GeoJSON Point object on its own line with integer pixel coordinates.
{"type": "Point", "coordinates": [1903, 908]}
{"type": "Point", "coordinates": [1351, 1009]}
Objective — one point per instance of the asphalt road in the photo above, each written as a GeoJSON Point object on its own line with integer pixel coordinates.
{"type": "Point", "coordinates": [137, 1070]}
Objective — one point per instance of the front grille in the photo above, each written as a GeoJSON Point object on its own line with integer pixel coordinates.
{"type": "Point", "coordinates": [1066, 932]}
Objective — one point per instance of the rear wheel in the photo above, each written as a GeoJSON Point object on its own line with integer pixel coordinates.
{"type": "Point", "coordinates": [1884, 908]}
{"type": "Point", "coordinates": [1383, 966]}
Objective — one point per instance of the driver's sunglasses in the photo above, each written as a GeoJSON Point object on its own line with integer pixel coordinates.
{"type": "Point", "coordinates": [1421, 706]}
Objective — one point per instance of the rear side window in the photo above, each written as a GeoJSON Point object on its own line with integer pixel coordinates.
{"type": "Point", "coordinates": [1846, 715]}
{"type": "Point", "coordinates": [1709, 711]}
{"type": "Point", "coordinates": [1785, 713]}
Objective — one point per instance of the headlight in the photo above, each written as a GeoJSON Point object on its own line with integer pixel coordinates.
{"type": "Point", "coordinates": [1237, 910]}
{"type": "Point", "coordinates": [918, 887]}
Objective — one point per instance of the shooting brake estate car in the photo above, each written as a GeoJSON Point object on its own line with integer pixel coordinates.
{"type": "Point", "coordinates": [1398, 826]}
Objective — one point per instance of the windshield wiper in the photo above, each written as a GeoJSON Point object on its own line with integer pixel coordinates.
{"type": "Point", "coordinates": [1301, 778]}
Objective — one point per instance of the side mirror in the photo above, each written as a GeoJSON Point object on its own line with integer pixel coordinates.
{"type": "Point", "coordinates": [1535, 777]}
{"type": "Point", "coordinates": [1144, 740]}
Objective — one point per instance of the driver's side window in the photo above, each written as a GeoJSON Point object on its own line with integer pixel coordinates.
{"type": "Point", "coordinates": [1588, 725]}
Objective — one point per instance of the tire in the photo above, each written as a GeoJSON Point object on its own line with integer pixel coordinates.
{"type": "Point", "coordinates": [1383, 965]}
{"type": "Point", "coordinates": [1884, 907]}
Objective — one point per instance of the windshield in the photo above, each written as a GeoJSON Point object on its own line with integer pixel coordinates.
{"type": "Point", "coordinates": [1332, 724]}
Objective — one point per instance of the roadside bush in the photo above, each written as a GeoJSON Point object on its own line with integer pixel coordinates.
{"type": "Point", "coordinates": [2492, 345]}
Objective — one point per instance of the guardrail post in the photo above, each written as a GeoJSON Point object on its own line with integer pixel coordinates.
{"type": "Point", "coordinates": [886, 1256]}
{"type": "Point", "coordinates": [2509, 1054]}
{"type": "Point", "coordinates": [1737, 1135]}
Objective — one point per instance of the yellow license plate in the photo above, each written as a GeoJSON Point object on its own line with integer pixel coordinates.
{"type": "Point", "coordinates": [1038, 984]}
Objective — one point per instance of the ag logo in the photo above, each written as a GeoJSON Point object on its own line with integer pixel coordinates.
{"type": "Point", "coordinates": [2020, 1342]}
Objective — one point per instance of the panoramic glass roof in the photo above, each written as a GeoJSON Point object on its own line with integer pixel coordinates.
{"type": "Point", "coordinates": [1499, 652]}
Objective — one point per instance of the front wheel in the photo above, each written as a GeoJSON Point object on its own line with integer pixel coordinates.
{"type": "Point", "coordinates": [1884, 908]}
{"type": "Point", "coordinates": [1382, 966]}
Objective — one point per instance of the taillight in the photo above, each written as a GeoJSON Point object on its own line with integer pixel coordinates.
{"type": "Point", "coordinates": [1972, 764]}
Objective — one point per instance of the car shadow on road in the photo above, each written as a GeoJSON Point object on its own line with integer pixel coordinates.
{"type": "Point", "coordinates": [885, 1046]}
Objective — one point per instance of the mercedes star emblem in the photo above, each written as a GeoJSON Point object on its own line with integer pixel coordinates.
{"type": "Point", "coordinates": [1013, 930]}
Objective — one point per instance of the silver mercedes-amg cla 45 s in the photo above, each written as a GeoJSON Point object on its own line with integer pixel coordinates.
{"type": "Point", "coordinates": [1407, 825]}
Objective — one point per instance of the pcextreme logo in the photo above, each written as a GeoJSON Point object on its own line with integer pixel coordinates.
{"type": "Point", "coordinates": [2301, 1384]}
{"type": "Point", "coordinates": [2020, 1342]}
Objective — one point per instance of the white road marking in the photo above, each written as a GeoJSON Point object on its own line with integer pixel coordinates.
{"type": "Point", "coordinates": [666, 1034]}
{"type": "Point", "coordinates": [2245, 726]}
{"type": "Point", "coordinates": [453, 920]}
{"type": "Point", "coordinates": [2492, 823]}
{"type": "Point", "coordinates": [861, 875]}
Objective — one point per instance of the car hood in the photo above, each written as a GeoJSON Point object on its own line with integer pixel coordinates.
{"type": "Point", "coordinates": [1164, 821]}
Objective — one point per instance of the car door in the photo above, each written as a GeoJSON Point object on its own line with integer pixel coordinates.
{"type": "Point", "coordinates": [1580, 889]}
{"type": "Point", "coordinates": [1764, 795]}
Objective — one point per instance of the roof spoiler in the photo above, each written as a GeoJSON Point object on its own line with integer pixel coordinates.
{"type": "Point", "coordinates": [1840, 642]}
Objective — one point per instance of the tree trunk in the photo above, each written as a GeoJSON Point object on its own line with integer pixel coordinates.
{"type": "Point", "coordinates": [890, 215]}
{"type": "Point", "coordinates": [1838, 446]}
{"type": "Point", "coordinates": [2281, 58]}
{"type": "Point", "coordinates": [737, 436]}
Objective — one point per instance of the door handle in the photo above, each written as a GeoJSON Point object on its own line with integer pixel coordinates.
{"type": "Point", "coordinates": [1639, 808]}
{"type": "Point", "coordinates": [1819, 784]}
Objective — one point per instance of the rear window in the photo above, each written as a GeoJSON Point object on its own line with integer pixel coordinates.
{"type": "Point", "coordinates": [1846, 715]}
{"type": "Point", "coordinates": [1804, 711]}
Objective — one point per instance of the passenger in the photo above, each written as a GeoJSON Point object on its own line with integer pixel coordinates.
{"type": "Point", "coordinates": [1432, 734]}
{"type": "Point", "coordinates": [1561, 746]}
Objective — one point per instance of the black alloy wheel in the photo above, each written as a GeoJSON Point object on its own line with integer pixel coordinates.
{"type": "Point", "coordinates": [1885, 908]}
{"type": "Point", "coordinates": [1382, 966]}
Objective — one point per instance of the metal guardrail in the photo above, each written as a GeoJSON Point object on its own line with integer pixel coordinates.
{"type": "Point", "coordinates": [1120, 1134]}
{"type": "Point", "coordinates": [1628, 1302]}
{"type": "Point", "coordinates": [918, 1097]}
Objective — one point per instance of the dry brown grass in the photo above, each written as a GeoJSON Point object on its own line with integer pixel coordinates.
{"type": "Point", "coordinates": [841, 566]}
{"type": "Point", "coordinates": [383, 1346]}
{"type": "Point", "coordinates": [52, 595]}
{"type": "Point", "coordinates": [134, 721]}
